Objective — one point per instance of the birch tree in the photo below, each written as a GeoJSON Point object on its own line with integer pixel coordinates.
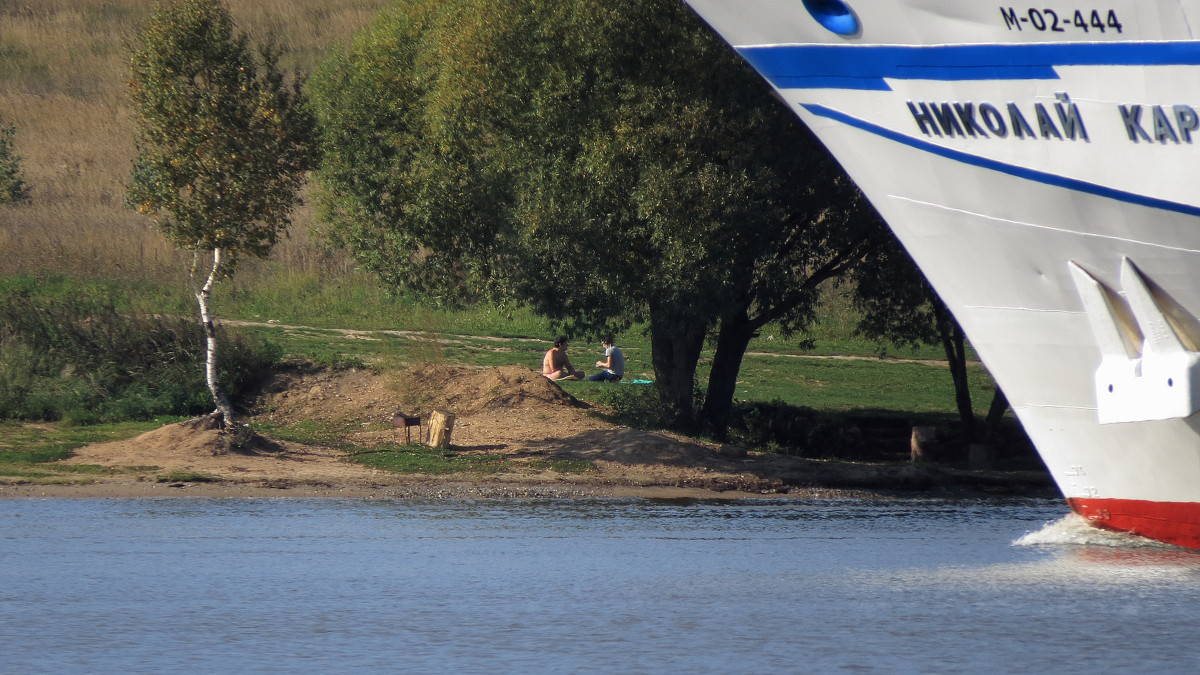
{"type": "Point", "coordinates": [224, 141]}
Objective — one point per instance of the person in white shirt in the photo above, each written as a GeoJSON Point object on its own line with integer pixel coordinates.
{"type": "Point", "coordinates": [613, 364]}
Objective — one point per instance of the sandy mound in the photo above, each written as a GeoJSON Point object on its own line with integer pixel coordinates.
{"type": "Point", "coordinates": [504, 408]}
{"type": "Point", "coordinates": [197, 447]}
{"type": "Point", "coordinates": [510, 410]}
{"type": "Point", "coordinates": [303, 391]}
{"type": "Point", "coordinates": [466, 391]}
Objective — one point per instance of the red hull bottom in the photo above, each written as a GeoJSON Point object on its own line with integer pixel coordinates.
{"type": "Point", "coordinates": [1175, 523]}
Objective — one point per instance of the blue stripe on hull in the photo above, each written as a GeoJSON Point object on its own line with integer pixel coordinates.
{"type": "Point", "coordinates": [1012, 170]}
{"type": "Point", "coordinates": [866, 66]}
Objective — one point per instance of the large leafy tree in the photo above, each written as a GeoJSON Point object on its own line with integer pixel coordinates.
{"type": "Point", "coordinates": [827, 232]}
{"type": "Point", "coordinates": [224, 143]}
{"type": "Point", "coordinates": [604, 163]}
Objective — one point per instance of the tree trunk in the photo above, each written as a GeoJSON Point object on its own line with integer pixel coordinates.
{"type": "Point", "coordinates": [996, 411]}
{"type": "Point", "coordinates": [203, 295]}
{"type": "Point", "coordinates": [674, 351]}
{"type": "Point", "coordinates": [732, 341]}
{"type": "Point", "coordinates": [441, 426]}
{"type": "Point", "coordinates": [954, 344]}
{"type": "Point", "coordinates": [994, 417]}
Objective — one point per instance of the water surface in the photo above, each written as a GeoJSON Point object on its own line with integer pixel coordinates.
{"type": "Point", "coordinates": [632, 586]}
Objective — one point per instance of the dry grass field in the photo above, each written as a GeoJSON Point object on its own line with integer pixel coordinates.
{"type": "Point", "coordinates": [62, 85]}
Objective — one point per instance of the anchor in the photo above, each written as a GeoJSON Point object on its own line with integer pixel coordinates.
{"type": "Point", "coordinates": [1146, 371]}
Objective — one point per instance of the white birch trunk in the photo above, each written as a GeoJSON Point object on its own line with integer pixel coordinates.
{"type": "Point", "coordinates": [203, 294]}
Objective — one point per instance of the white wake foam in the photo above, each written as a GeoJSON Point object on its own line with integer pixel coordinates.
{"type": "Point", "coordinates": [1073, 529]}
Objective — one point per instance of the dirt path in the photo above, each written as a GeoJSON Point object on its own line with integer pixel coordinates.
{"type": "Point", "coordinates": [455, 338]}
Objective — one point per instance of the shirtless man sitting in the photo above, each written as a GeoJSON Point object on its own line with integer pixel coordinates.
{"type": "Point", "coordinates": [556, 365]}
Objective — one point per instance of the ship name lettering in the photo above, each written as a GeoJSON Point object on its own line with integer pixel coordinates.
{"type": "Point", "coordinates": [1175, 126]}
{"type": "Point", "coordinates": [967, 119]}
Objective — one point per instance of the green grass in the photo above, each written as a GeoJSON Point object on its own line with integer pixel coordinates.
{"type": "Point", "coordinates": [480, 335]}
{"type": "Point", "coordinates": [389, 332]}
{"type": "Point", "coordinates": [396, 333]}
{"type": "Point", "coordinates": [422, 459]}
{"type": "Point", "coordinates": [311, 432]}
{"type": "Point", "coordinates": [21, 443]}
{"type": "Point", "coordinates": [563, 465]}
{"type": "Point", "coordinates": [394, 330]}
{"type": "Point", "coordinates": [803, 379]}
{"type": "Point", "coordinates": [358, 301]}
{"type": "Point", "coordinates": [26, 450]}
{"type": "Point", "coordinates": [846, 385]}
{"type": "Point", "coordinates": [354, 322]}
{"type": "Point", "coordinates": [414, 458]}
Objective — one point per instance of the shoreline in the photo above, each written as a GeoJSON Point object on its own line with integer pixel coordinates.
{"type": "Point", "coordinates": [1015, 487]}
{"type": "Point", "coordinates": [535, 442]}
{"type": "Point", "coordinates": [455, 490]}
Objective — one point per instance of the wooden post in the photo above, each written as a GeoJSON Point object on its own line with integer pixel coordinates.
{"type": "Point", "coordinates": [921, 446]}
{"type": "Point", "coordinates": [441, 425]}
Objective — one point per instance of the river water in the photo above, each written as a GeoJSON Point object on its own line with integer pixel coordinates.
{"type": "Point", "coordinates": [603, 586]}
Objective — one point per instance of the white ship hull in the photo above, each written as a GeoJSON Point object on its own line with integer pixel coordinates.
{"type": "Point", "coordinates": [1042, 166]}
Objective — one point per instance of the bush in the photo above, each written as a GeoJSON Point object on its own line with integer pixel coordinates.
{"type": "Point", "coordinates": [632, 405]}
{"type": "Point", "coordinates": [12, 189]}
{"type": "Point", "coordinates": [793, 430]}
{"type": "Point", "coordinates": [77, 359]}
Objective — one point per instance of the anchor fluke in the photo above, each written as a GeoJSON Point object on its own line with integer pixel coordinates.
{"type": "Point", "coordinates": [1145, 373]}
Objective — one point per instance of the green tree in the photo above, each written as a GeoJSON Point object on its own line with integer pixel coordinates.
{"type": "Point", "coordinates": [828, 232]}
{"type": "Point", "coordinates": [12, 188]}
{"type": "Point", "coordinates": [603, 163]}
{"type": "Point", "coordinates": [224, 143]}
